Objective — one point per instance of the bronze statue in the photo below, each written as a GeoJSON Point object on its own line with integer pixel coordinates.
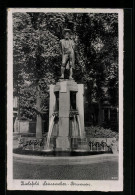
{"type": "Point", "coordinates": [68, 56]}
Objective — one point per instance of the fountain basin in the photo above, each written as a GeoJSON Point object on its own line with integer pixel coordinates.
{"type": "Point", "coordinates": [58, 153]}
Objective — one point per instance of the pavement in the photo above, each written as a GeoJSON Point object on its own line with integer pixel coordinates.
{"type": "Point", "coordinates": [92, 167]}
{"type": "Point", "coordinates": [96, 167]}
{"type": "Point", "coordinates": [95, 171]}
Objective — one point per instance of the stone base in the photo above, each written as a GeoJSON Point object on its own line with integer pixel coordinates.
{"type": "Point", "coordinates": [62, 144]}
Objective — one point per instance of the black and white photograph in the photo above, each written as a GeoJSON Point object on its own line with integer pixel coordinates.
{"type": "Point", "coordinates": [65, 99]}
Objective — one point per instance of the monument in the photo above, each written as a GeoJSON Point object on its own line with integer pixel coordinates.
{"type": "Point", "coordinates": [66, 133]}
{"type": "Point", "coordinates": [66, 107]}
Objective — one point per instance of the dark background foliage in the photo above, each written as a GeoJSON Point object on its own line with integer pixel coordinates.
{"type": "Point", "coordinates": [37, 57]}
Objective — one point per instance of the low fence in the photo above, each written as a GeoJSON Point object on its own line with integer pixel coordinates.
{"type": "Point", "coordinates": [93, 145]}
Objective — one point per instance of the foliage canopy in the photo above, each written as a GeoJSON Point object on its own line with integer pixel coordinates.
{"type": "Point", "coordinates": [37, 57]}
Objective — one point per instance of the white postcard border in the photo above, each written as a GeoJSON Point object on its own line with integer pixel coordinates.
{"type": "Point", "coordinates": [79, 185]}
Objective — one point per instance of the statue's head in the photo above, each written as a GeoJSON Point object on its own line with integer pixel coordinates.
{"type": "Point", "coordinates": [67, 33]}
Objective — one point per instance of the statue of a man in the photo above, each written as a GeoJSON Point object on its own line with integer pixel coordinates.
{"type": "Point", "coordinates": [68, 56]}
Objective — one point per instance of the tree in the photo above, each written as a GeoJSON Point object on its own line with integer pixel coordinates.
{"type": "Point", "coordinates": [37, 57]}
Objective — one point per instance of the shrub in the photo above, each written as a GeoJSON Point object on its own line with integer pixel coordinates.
{"type": "Point", "coordinates": [100, 132]}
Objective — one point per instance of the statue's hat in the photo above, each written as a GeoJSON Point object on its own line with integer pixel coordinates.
{"type": "Point", "coordinates": [66, 30]}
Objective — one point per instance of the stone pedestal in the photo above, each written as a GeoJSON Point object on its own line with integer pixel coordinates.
{"type": "Point", "coordinates": [39, 127]}
{"type": "Point", "coordinates": [62, 141]}
{"type": "Point", "coordinates": [39, 119]}
{"type": "Point", "coordinates": [64, 89]}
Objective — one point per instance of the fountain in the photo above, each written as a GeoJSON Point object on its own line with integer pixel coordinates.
{"type": "Point", "coordinates": [66, 133]}
{"type": "Point", "coordinates": [66, 104]}
{"type": "Point", "coordinates": [66, 101]}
